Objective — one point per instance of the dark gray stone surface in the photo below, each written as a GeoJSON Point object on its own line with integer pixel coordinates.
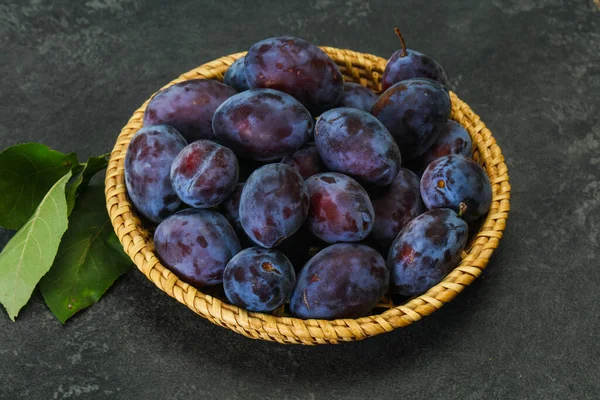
{"type": "Point", "coordinates": [72, 72]}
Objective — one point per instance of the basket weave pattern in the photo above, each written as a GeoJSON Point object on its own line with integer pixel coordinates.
{"type": "Point", "coordinates": [356, 67]}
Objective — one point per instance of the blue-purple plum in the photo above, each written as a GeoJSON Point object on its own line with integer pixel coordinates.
{"type": "Point", "coordinates": [414, 111]}
{"type": "Point", "coordinates": [342, 281]}
{"type": "Point", "coordinates": [454, 139]}
{"type": "Point", "coordinates": [230, 208]}
{"type": "Point", "coordinates": [458, 183]}
{"type": "Point", "coordinates": [340, 208]}
{"type": "Point", "coordinates": [426, 250]}
{"type": "Point", "coordinates": [204, 174]}
{"type": "Point", "coordinates": [259, 279]}
{"type": "Point", "coordinates": [355, 143]}
{"type": "Point", "coordinates": [306, 161]}
{"type": "Point", "coordinates": [235, 76]}
{"type": "Point", "coordinates": [395, 206]}
{"type": "Point", "coordinates": [406, 63]}
{"type": "Point", "coordinates": [196, 245]}
{"type": "Point", "coordinates": [262, 124]}
{"type": "Point", "coordinates": [147, 171]}
{"type": "Point", "coordinates": [358, 96]}
{"type": "Point", "coordinates": [273, 205]}
{"type": "Point", "coordinates": [297, 67]}
{"type": "Point", "coordinates": [188, 107]}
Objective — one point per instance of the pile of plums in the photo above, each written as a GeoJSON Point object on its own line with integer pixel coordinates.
{"type": "Point", "coordinates": [290, 187]}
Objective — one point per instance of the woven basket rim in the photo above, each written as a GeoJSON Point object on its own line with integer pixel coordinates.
{"type": "Point", "coordinates": [358, 67]}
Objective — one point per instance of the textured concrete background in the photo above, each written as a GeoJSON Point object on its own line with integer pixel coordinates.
{"type": "Point", "coordinates": [72, 72]}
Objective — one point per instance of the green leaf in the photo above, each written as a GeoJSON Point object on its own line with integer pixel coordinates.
{"type": "Point", "coordinates": [73, 187]}
{"type": "Point", "coordinates": [82, 174]}
{"type": "Point", "coordinates": [30, 253]}
{"type": "Point", "coordinates": [27, 172]}
{"type": "Point", "coordinates": [89, 260]}
{"type": "Point", "coordinates": [93, 166]}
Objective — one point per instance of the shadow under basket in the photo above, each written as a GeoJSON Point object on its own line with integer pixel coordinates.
{"type": "Point", "coordinates": [365, 69]}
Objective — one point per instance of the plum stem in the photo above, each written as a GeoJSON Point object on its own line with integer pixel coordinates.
{"type": "Point", "coordinates": [462, 208]}
{"type": "Point", "coordinates": [268, 267]}
{"type": "Point", "coordinates": [399, 34]}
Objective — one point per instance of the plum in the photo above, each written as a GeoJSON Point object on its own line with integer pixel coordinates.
{"type": "Point", "coordinates": [230, 208]}
{"type": "Point", "coordinates": [459, 183]}
{"type": "Point", "coordinates": [262, 124]}
{"type": "Point", "coordinates": [204, 174]}
{"type": "Point", "coordinates": [342, 281]}
{"type": "Point", "coordinates": [196, 245]}
{"type": "Point", "coordinates": [147, 171]}
{"type": "Point", "coordinates": [426, 250]}
{"type": "Point", "coordinates": [454, 139]}
{"type": "Point", "coordinates": [340, 209]}
{"type": "Point", "coordinates": [406, 63]}
{"type": "Point", "coordinates": [235, 76]}
{"type": "Point", "coordinates": [188, 106]}
{"type": "Point", "coordinates": [306, 161]}
{"type": "Point", "coordinates": [358, 96]}
{"type": "Point", "coordinates": [355, 143]}
{"type": "Point", "coordinates": [273, 205]}
{"type": "Point", "coordinates": [297, 67]}
{"type": "Point", "coordinates": [395, 206]}
{"type": "Point", "coordinates": [259, 279]}
{"type": "Point", "coordinates": [414, 111]}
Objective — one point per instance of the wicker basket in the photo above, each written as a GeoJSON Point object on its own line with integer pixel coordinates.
{"type": "Point", "coordinates": [357, 67]}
